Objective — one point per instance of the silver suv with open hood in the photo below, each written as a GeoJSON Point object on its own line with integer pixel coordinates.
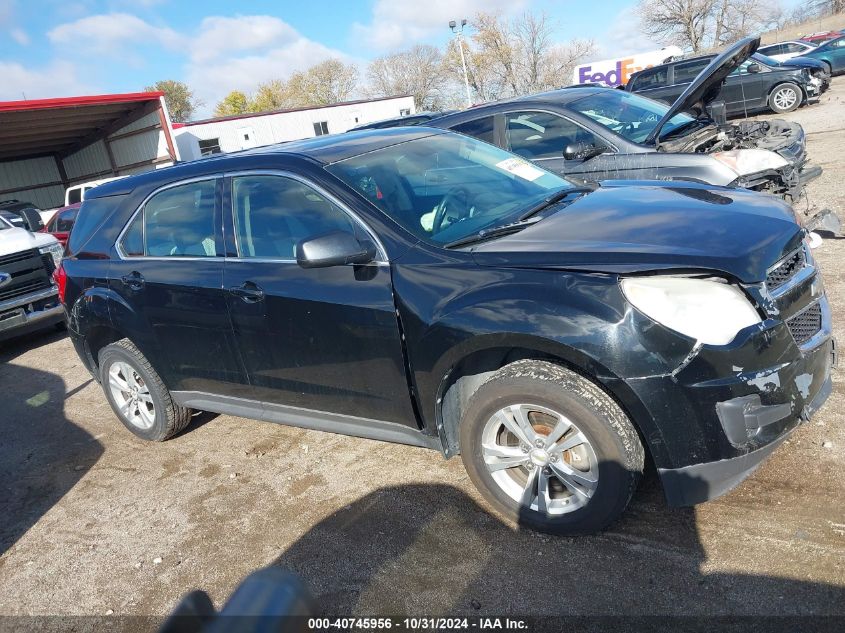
{"type": "Point", "coordinates": [590, 133]}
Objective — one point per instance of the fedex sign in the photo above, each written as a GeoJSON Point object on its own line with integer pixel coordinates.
{"type": "Point", "coordinates": [616, 72]}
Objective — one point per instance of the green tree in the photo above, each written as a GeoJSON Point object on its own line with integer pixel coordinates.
{"type": "Point", "coordinates": [180, 99]}
{"type": "Point", "coordinates": [236, 102]}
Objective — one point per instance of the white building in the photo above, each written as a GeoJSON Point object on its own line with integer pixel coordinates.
{"type": "Point", "coordinates": [232, 133]}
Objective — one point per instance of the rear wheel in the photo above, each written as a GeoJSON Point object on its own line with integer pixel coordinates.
{"type": "Point", "coordinates": [785, 98]}
{"type": "Point", "coordinates": [137, 395]}
{"type": "Point", "coordinates": [550, 449]}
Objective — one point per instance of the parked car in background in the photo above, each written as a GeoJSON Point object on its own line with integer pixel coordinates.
{"type": "Point", "coordinates": [28, 295]}
{"type": "Point", "coordinates": [755, 84]}
{"type": "Point", "coordinates": [786, 50]}
{"type": "Point", "coordinates": [417, 286]}
{"type": "Point", "coordinates": [76, 193]}
{"type": "Point", "coordinates": [832, 54]}
{"type": "Point", "coordinates": [820, 37]}
{"type": "Point", "coordinates": [62, 222]}
{"type": "Point", "coordinates": [28, 212]}
{"type": "Point", "coordinates": [420, 118]}
{"type": "Point", "coordinates": [592, 133]}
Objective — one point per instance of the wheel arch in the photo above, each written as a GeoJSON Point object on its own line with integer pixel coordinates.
{"type": "Point", "coordinates": [783, 82]}
{"type": "Point", "coordinates": [472, 368]}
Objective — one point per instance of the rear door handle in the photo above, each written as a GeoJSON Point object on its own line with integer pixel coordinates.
{"type": "Point", "coordinates": [249, 292]}
{"type": "Point", "coordinates": [134, 280]}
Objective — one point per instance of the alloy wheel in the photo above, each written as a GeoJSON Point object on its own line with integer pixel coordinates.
{"type": "Point", "coordinates": [785, 98]}
{"type": "Point", "coordinates": [540, 458]}
{"type": "Point", "coordinates": [132, 396]}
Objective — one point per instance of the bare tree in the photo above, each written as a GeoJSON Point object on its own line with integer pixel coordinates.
{"type": "Point", "coordinates": [417, 71]}
{"type": "Point", "coordinates": [825, 7]}
{"type": "Point", "coordinates": [515, 57]}
{"type": "Point", "coordinates": [687, 23]}
{"type": "Point", "coordinates": [703, 24]}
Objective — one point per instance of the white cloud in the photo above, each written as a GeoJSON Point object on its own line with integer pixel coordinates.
{"type": "Point", "coordinates": [20, 36]}
{"type": "Point", "coordinates": [111, 33]}
{"type": "Point", "coordinates": [241, 52]}
{"type": "Point", "coordinates": [623, 37]}
{"type": "Point", "coordinates": [220, 36]}
{"type": "Point", "coordinates": [398, 24]}
{"type": "Point", "coordinates": [58, 79]}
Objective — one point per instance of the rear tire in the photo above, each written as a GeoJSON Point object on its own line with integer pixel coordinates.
{"type": "Point", "coordinates": [585, 479]}
{"type": "Point", "coordinates": [785, 98]}
{"type": "Point", "coordinates": [137, 394]}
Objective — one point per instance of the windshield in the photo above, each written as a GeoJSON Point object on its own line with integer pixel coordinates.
{"type": "Point", "coordinates": [445, 187]}
{"type": "Point", "coordinates": [628, 115]}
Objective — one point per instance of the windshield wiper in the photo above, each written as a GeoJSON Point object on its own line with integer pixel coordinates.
{"type": "Point", "coordinates": [556, 197]}
{"type": "Point", "coordinates": [489, 234]}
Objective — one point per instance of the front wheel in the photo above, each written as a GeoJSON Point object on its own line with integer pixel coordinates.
{"type": "Point", "coordinates": [137, 394]}
{"type": "Point", "coordinates": [785, 98]}
{"type": "Point", "coordinates": [550, 449]}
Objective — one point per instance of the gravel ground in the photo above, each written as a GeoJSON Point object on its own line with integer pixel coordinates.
{"type": "Point", "coordinates": [95, 521]}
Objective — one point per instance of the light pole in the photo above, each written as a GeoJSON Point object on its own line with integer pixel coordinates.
{"type": "Point", "coordinates": [459, 36]}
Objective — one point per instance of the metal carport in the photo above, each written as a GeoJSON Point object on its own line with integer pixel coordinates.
{"type": "Point", "coordinates": [47, 145]}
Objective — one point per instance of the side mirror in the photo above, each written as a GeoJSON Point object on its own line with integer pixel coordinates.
{"type": "Point", "coordinates": [582, 151]}
{"type": "Point", "coordinates": [334, 249]}
{"type": "Point", "coordinates": [753, 68]}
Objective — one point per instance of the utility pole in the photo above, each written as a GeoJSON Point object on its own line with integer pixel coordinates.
{"type": "Point", "coordinates": [459, 36]}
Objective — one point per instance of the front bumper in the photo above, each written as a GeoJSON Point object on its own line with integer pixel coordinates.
{"type": "Point", "coordinates": [726, 408]}
{"type": "Point", "coordinates": [29, 312]}
{"type": "Point", "coordinates": [702, 482]}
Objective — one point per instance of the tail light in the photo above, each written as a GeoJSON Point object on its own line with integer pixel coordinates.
{"type": "Point", "coordinates": [60, 277]}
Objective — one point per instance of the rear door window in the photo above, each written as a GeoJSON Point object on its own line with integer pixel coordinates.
{"type": "Point", "coordinates": [685, 72]}
{"type": "Point", "coordinates": [176, 222]}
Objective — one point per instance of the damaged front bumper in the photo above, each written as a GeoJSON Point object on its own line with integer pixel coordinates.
{"type": "Point", "coordinates": [765, 408]}
{"type": "Point", "coordinates": [725, 408]}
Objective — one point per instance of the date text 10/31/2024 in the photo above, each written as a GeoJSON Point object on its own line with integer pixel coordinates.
{"type": "Point", "coordinates": [415, 624]}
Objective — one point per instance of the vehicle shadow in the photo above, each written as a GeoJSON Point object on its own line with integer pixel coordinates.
{"type": "Point", "coordinates": [432, 550]}
{"type": "Point", "coordinates": [42, 454]}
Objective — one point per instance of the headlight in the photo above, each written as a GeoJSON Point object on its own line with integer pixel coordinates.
{"type": "Point", "coordinates": [750, 161]}
{"type": "Point", "coordinates": [708, 311]}
{"type": "Point", "coordinates": [55, 250]}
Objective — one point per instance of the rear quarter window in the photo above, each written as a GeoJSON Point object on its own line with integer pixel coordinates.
{"type": "Point", "coordinates": [92, 215]}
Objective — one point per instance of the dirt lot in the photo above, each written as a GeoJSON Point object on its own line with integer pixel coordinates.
{"type": "Point", "coordinates": [94, 521]}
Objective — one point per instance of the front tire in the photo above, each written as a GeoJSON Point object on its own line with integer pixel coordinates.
{"type": "Point", "coordinates": [550, 449]}
{"type": "Point", "coordinates": [785, 98]}
{"type": "Point", "coordinates": [137, 394]}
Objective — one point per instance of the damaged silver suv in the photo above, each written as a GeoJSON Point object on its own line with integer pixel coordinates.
{"type": "Point", "coordinates": [590, 133]}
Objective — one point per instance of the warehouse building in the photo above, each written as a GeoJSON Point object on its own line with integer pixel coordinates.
{"type": "Point", "coordinates": [234, 133]}
{"type": "Point", "coordinates": [47, 145]}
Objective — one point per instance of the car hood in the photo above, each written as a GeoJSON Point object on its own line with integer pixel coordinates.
{"type": "Point", "coordinates": [639, 226]}
{"type": "Point", "coordinates": [707, 85]}
{"type": "Point", "coordinates": [803, 62]}
{"type": "Point", "coordinates": [15, 240]}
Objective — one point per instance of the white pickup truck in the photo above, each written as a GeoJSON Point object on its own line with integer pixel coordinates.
{"type": "Point", "coordinates": [28, 295]}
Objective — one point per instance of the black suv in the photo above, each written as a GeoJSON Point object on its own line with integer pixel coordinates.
{"type": "Point", "coordinates": [758, 84]}
{"type": "Point", "coordinates": [422, 287]}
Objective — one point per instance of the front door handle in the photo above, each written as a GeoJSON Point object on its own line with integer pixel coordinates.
{"type": "Point", "coordinates": [249, 292]}
{"type": "Point", "coordinates": [133, 281]}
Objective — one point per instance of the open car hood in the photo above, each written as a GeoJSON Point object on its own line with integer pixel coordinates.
{"type": "Point", "coordinates": [707, 85]}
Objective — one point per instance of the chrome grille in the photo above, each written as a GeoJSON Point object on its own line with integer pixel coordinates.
{"type": "Point", "coordinates": [804, 325]}
{"type": "Point", "coordinates": [786, 270]}
{"type": "Point", "coordinates": [28, 271]}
